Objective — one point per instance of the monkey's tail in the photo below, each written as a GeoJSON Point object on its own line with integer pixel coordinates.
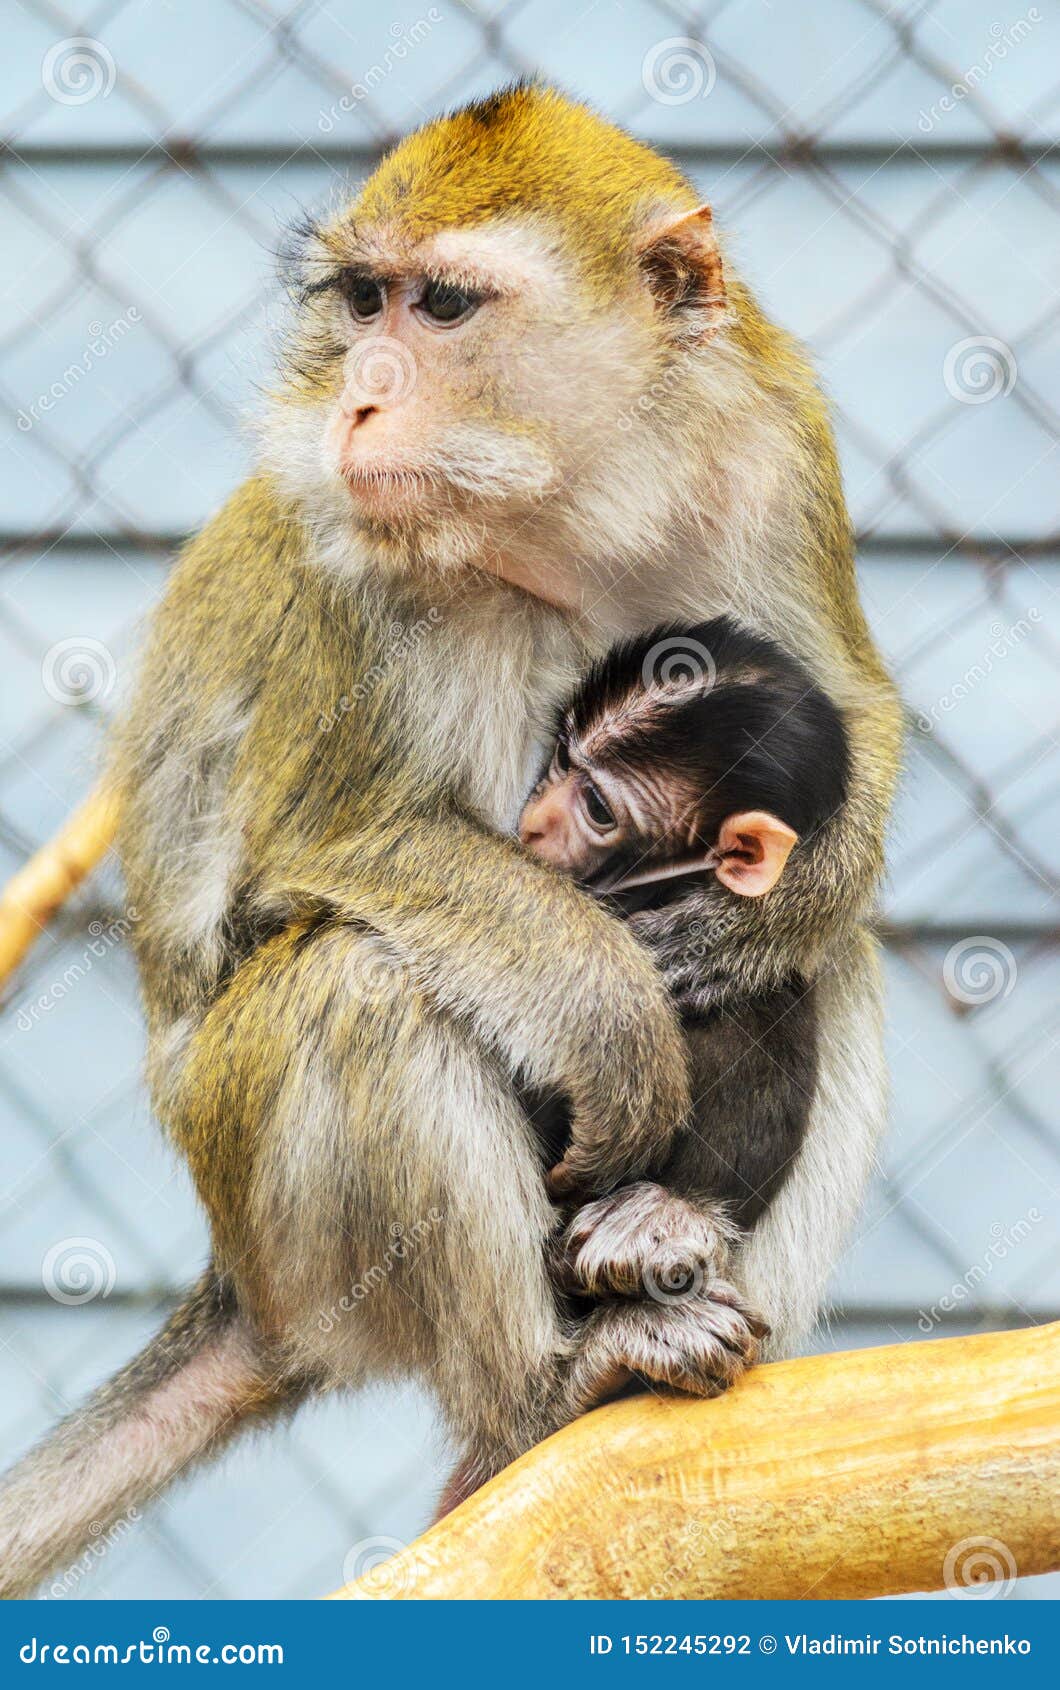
{"type": "Point", "coordinates": [202, 1378]}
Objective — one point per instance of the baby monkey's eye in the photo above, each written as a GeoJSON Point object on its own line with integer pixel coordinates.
{"type": "Point", "coordinates": [365, 296]}
{"type": "Point", "coordinates": [561, 758]}
{"type": "Point", "coordinates": [447, 305]}
{"type": "Point", "coordinates": [597, 810]}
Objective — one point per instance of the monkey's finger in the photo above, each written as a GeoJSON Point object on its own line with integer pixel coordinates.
{"type": "Point", "coordinates": [701, 1347]}
{"type": "Point", "coordinates": [598, 1373]}
{"type": "Point", "coordinates": [645, 1241]}
{"type": "Point", "coordinates": [588, 1219]}
{"type": "Point", "coordinates": [561, 1270]}
{"type": "Point", "coordinates": [722, 1292]}
{"type": "Point", "coordinates": [588, 1172]}
{"type": "Point", "coordinates": [562, 1183]}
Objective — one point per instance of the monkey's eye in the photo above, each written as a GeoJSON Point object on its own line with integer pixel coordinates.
{"type": "Point", "coordinates": [597, 810]}
{"type": "Point", "coordinates": [561, 758]}
{"type": "Point", "coordinates": [365, 297]}
{"type": "Point", "coordinates": [447, 305]}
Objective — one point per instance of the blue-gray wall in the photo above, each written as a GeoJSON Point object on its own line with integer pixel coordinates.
{"type": "Point", "coordinates": [881, 173]}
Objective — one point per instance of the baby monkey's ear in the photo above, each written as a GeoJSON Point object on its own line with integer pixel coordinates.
{"type": "Point", "coordinates": [753, 847]}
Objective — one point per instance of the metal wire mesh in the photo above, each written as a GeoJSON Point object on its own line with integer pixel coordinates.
{"type": "Point", "coordinates": [887, 178]}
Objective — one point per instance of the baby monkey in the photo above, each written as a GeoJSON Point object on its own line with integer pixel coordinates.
{"type": "Point", "coordinates": [687, 767]}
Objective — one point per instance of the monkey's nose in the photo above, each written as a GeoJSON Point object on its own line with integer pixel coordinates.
{"type": "Point", "coordinates": [360, 414]}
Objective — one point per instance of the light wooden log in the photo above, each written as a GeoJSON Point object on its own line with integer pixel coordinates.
{"type": "Point", "coordinates": [863, 1473]}
{"type": "Point", "coordinates": [42, 885]}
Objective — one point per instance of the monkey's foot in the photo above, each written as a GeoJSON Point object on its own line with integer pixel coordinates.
{"type": "Point", "coordinates": [643, 1240]}
{"type": "Point", "coordinates": [699, 1345]}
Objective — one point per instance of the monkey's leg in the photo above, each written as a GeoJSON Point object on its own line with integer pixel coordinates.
{"type": "Point", "coordinates": [374, 1184]}
{"type": "Point", "coordinates": [187, 1393]}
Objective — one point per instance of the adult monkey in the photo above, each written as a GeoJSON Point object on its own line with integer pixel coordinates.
{"type": "Point", "coordinates": [521, 413]}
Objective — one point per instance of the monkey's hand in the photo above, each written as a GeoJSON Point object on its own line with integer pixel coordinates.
{"type": "Point", "coordinates": [691, 942]}
{"type": "Point", "coordinates": [700, 1345]}
{"type": "Point", "coordinates": [543, 974]}
{"type": "Point", "coordinates": [645, 1241]}
{"type": "Point", "coordinates": [669, 1313]}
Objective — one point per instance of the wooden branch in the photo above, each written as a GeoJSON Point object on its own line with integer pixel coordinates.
{"type": "Point", "coordinates": [864, 1473]}
{"type": "Point", "coordinates": [42, 886]}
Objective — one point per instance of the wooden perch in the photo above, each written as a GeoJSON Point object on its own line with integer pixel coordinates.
{"type": "Point", "coordinates": [864, 1473]}
{"type": "Point", "coordinates": [43, 885]}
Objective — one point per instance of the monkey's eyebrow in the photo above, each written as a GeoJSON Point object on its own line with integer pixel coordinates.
{"type": "Point", "coordinates": [478, 283]}
{"type": "Point", "coordinates": [336, 276]}
{"type": "Point", "coordinates": [497, 258]}
{"type": "Point", "coordinates": [481, 280]}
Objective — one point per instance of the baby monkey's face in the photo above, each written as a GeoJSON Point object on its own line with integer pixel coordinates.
{"type": "Point", "coordinates": [583, 814]}
{"type": "Point", "coordinates": [568, 822]}
{"type": "Point", "coordinates": [590, 817]}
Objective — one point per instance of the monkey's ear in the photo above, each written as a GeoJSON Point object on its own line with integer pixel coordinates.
{"type": "Point", "coordinates": [683, 270]}
{"type": "Point", "coordinates": [753, 846]}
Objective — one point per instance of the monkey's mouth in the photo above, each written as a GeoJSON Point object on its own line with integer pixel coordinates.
{"type": "Point", "coordinates": [384, 488]}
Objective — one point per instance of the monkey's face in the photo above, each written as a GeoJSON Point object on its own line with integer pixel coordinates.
{"type": "Point", "coordinates": [451, 391]}
{"type": "Point", "coordinates": [491, 352]}
{"type": "Point", "coordinates": [585, 818]}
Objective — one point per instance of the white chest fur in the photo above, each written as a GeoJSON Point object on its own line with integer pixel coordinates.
{"type": "Point", "coordinates": [490, 674]}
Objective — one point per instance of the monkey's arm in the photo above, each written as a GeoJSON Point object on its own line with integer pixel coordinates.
{"type": "Point", "coordinates": [542, 973]}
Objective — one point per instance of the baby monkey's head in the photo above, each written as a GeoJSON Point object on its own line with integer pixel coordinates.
{"type": "Point", "coordinates": [706, 747]}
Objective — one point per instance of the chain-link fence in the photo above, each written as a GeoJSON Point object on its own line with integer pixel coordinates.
{"type": "Point", "coordinates": [886, 178]}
